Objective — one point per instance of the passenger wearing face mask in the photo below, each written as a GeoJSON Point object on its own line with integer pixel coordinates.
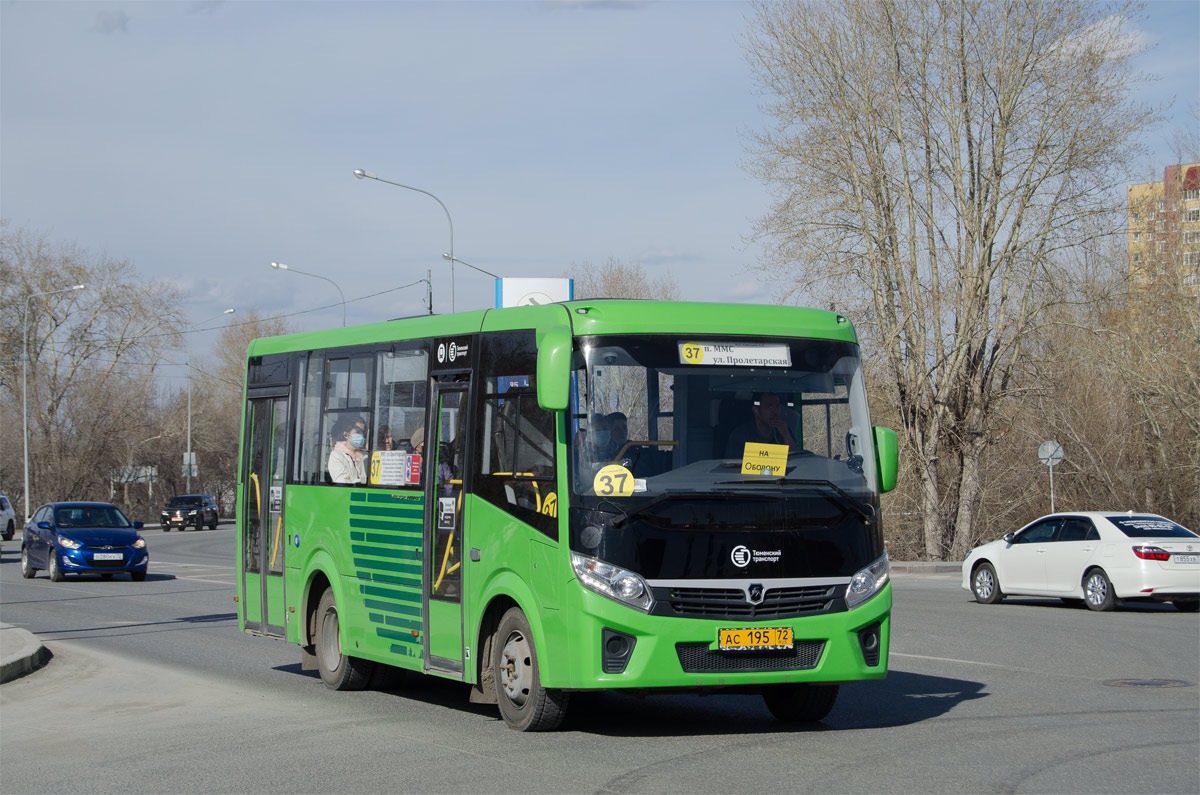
{"type": "Point", "coordinates": [347, 459]}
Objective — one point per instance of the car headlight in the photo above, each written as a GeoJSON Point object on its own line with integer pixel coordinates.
{"type": "Point", "coordinates": [191, 513]}
{"type": "Point", "coordinates": [867, 582]}
{"type": "Point", "coordinates": [140, 543]}
{"type": "Point", "coordinates": [69, 543]}
{"type": "Point", "coordinates": [612, 581]}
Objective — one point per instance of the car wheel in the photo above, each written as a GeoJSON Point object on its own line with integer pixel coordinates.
{"type": "Point", "coordinates": [55, 568]}
{"type": "Point", "coordinates": [10, 531]}
{"type": "Point", "coordinates": [27, 569]}
{"type": "Point", "coordinates": [1098, 592]}
{"type": "Point", "coordinates": [338, 671]}
{"type": "Point", "coordinates": [524, 704]}
{"type": "Point", "coordinates": [216, 521]}
{"type": "Point", "coordinates": [985, 586]}
{"type": "Point", "coordinates": [138, 576]}
{"type": "Point", "coordinates": [799, 703]}
{"type": "Point", "coordinates": [166, 528]}
{"type": "Point", "coordinates": [1186, 605]}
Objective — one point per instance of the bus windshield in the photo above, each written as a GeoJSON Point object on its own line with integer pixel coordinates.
{"type": "Point", "coordinates": [768, 415]}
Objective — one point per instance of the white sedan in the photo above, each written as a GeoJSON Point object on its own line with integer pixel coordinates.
{"type": "Point", "coordinates": [1094, 557]}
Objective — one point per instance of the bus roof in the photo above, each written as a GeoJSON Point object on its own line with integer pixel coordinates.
{"type": "Point", "coordinates": [584, 317]}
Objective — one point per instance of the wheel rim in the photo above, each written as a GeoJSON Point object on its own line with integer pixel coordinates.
{"type": "Point", "coordinates": [331, 642]}
{"type": "Point", "coordinates": [984, 584]}
{"type": "Point", "coordinates": [1097, 590]}
{"type": "Point", "coordinates": [516, 668]}
{"type": "Point", "coordinates": [24, 560]}
{"type": "Point", "coordinates": [53, 566]}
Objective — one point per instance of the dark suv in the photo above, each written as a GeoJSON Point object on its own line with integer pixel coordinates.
{"type": "Point", "coordinates": [191, 509]}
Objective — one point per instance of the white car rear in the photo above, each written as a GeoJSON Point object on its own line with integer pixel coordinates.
{"type": "Point", "coordinates": [1096, 557]}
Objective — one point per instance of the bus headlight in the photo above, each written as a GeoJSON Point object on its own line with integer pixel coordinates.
{"type": "Point", "coordinates": [867, 582]}
{"type": "Point", "coordinates": [612, 581]}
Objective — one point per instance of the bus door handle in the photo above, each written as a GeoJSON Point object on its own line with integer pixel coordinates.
{"type": "Point", "coordinates": [475, 557]}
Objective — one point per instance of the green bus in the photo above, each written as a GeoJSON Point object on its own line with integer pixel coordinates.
{"type": "Point", "coordinates": [611, 494]}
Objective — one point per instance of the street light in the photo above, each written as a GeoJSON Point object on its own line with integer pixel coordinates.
{"type": "Point", "coordinates": [188, 463]}
{"type": "Point", "coordinates": [281, 267]}
{"type": "Point", "coordinates": [361, 174]}
{"type": "Point", "coordinates": [25, 383]}
{"type": "Point", "coordinates": [453, 259]}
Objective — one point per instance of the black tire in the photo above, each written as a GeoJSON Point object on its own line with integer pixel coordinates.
{"type": "Point", "coordinates": [800, 703]}
{"type": "Point", "coordinates": [27, 570]}
{"type": "Point", "coordinates": [10, 531]}
{"type": "Point", "coordinates": [166, 528]}
{"type": "Point", "coordinates": [338, 671]}
{"type": "Point", "coordinates": [1098, 591]}
{"type": "Point", "coordinates": [524, 704]}
{"type": "Point", "coordinates": [1186, 605]}
{"type": "Point", "coordinates": [985, 585]}
{"type": "Point", "coordinates": [54, 568]}
{"type": "Point", "coordinates": [138, 576]}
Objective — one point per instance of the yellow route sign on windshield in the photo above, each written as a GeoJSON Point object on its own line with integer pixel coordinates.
{"type": "Point", "coordinates": [614, 480]}
{"type": "Point", "coordinates": [764, 459]}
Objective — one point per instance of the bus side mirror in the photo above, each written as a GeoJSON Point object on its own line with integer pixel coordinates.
{"type": "Point", "coordinates": [887, 458]}
{"type": "Point", "coordinates": [554, 368]}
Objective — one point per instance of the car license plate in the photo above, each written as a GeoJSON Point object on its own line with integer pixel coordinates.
{"type": "Point", "coordinates": [177, 519]}
{"type": "Point", "coordinates": [1186, 558]}
{"type": "Point", "coordinates": [108, 556]}
{"type": "Point", "coordinates": [755, 638]}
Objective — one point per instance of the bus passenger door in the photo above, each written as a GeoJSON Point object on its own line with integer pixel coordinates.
{"type": "Point", "coordinates": [264, 543]}
{"type": "Point", "coordinates": [445, 454]}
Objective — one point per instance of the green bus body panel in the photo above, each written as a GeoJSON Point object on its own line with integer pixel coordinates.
{"type": "Point", "coordinates": [445, 632]}
{"type": "Point", "coordinates": [606, 316]}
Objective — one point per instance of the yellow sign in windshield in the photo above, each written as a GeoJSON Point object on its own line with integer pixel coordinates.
{"type": "Point", "coordinates": [764, 459]}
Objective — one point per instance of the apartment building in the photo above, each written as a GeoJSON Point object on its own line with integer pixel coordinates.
{"type": "Point", "coordinates": [1164, 230]}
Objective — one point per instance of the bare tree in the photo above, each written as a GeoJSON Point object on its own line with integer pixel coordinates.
{"type": "Point", "coordinates": [932, 160]}
{"type": "Point", "coordinates": [92, 359]}
{"type": "Point", "coordinates": [619, 279]}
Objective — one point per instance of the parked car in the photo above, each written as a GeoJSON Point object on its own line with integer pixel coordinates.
{"type": "Point", "coordinates": [1096, 558]}
{"type": "Point", "coordinates": [8, 519]}
{"type": "Point", "coordinates": [83, 538]}
{"type": "Point", "coordinates": [196, 510]}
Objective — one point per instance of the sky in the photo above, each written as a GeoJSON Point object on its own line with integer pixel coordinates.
{"type": "Point", "coordinates": [201, 141]}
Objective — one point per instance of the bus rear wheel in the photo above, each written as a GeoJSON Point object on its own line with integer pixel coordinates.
{"type": "Point", "coordinates": [338, 671]}
{"type": "Point", "coordinates": [800, 703]}
{"type": "Point", "coordinates": [524, 704]}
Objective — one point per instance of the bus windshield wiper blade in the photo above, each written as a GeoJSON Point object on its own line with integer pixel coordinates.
{"type": "Point", "coordinates": [865, 510]}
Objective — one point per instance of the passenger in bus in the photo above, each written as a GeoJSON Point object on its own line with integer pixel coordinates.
{"type": "Point", "coordinates": [347, 458]}
{"type": "Point", "coordinates": [766, 426]}
{"type": "Point", "coordinates": [444, 474]}
{"type": "Point", "coordinates": [385, 438]}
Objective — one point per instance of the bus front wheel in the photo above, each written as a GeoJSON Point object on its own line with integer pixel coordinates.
{"type": "Point", "coordinates": [800, 703]}
{"type": "Point", "coordinates": [524, 704]}
{"type": "Point", "coordinates": [338, 671]}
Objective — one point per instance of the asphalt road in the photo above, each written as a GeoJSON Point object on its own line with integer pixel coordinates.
{"type": "Point", "coordinates": [153, 689]}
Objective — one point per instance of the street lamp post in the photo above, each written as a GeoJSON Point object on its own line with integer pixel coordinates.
{"type": "Point", "coordinates": [189, 374]}
{"type": "Point", "coordinates": [25, 382]}
{"type": "Point", "coordinates": [361, 174]}
{"type": "Point", "coordinates": [281, 267]}
{"type": "Point", "coordinates": [453, 258]}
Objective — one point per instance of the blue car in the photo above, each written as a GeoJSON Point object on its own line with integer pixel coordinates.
{"type": "Point", "coordinates": [83, 538]}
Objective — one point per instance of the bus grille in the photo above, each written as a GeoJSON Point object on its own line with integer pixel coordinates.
{"type": "Point", "coordinates": [731, 602]}
{"type": "Point", "coordinates": [698, 658]}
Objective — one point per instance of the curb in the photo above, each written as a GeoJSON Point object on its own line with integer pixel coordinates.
{"type": "Point", "coordinates": [20, 653]}
{"type": "Point", "coordinates": [921, 567]}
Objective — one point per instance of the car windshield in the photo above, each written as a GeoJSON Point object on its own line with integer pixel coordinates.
{"type": "Point", "coordinates": [661, 418]}
{"type": "Point", "coordinates": [1150, 527]}
{"type": "Point", "coordinates": [90, 516]}
{"type": "Point", "coordinates": [185, 502]}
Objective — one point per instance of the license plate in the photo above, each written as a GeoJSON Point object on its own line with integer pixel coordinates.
{"type": "Point", "coordinates": [177, 519]}
{"type": "Point", "coordinates": [755, 638]}
{"type": "Point", "coordinates": [108, 556]}
{"type": "Point", "coordinates": [1186, 558]}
